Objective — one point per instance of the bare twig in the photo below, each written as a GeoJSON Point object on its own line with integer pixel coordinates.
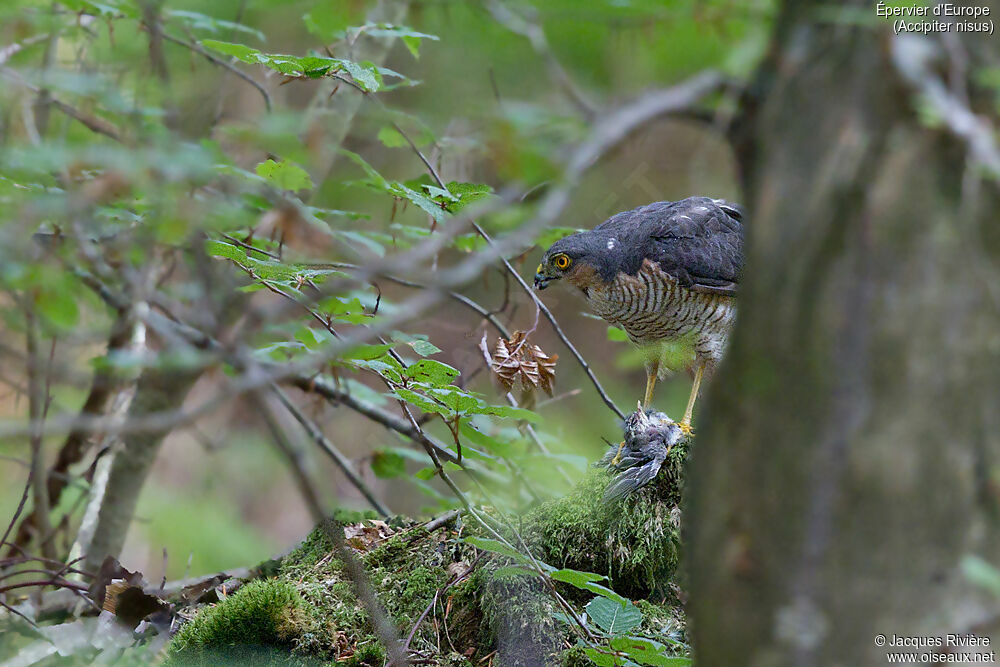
{"type": "Point", "coordinates": [37, 408]}
{"type": "Point", "coordinates": [200, 50]}
{"type": "Point", "coordinates": [536, 35]}
{"type": "Point", "coordinates": [328, 447]}
{"type": "Point", "coordinates": [92, 123]}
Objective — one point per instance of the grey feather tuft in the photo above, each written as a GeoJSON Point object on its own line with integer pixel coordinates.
{"type": "Point", "coordinates": [649, 436]}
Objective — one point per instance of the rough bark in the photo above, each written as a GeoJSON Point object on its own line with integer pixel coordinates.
{"type": "Point", "coordinates": [844, 462]}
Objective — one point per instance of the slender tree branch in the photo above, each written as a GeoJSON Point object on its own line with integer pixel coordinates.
{"type": "Point", "coordinates": [328, 447]}
{"type": "Point", "coordinates": [535, 34]}
{"type": "Point", "coordinates": [92, 123]}
{"type": "Point", "coordinates": [229, 67]}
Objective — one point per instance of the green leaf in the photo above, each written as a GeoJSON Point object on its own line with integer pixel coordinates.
{"type": "Point", "coordinates": [467, 193]}
{"type": "Point", "coordinates": [391, 137]}
{"type": "Point", "coordinates": [367, 352]}
{"type": "Point", "coordinates": [613, 617]}
{"type": "Point", "coordinates": [343, 309]}
{"type": "Point", "coordinates": [458, 400]}
{"type": "Point", "coordinates": [602, 659]}
{"type": "Point", "coordinates": [239, 51]}
{"type": "Point", "coordinates": [413, 45]}
{"type": "Point", "coordinates": [313, 338]}
{"type": "Point", "coordinates": [385, 366]}
{"type": "Point", "coordinates": [480, 439]}
{"type": "Point", "coordinates": [501, 549]}
{"type": "Point", "coordinates": [508, 411]}
{"type": "Point", "coordinates": [387, 464]}
{"type": "Point", "coordinates": [225, 250]}
{"type": "Point", "coordinates": [425, 473]}
{"type": "Point", "coordinates": [285, 175]}
{"type": "Point", "coordinates": [432, 372]}
{"type": "Point", "coordinates": [419, 400]}
{"type": "Point", "coordinates": [588, 582]}
{"type": "Point", "coordinates": [210, 23]}
{"type": "Point", "coordinates": [424, 348]}
{"type": "Point", "coordinates": [648, 652]}
{"type": "Point", "coordinates": [365, 75]}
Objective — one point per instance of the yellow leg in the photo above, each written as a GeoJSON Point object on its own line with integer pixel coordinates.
{"type": "Point", "coordinates": [618, 455]}
{"type": "Point", "coordinates": [686, 421]}
{"type": "Point", "coordinates": [651, 372]}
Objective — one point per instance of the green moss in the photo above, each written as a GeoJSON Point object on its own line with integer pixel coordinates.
{"type": "Point", "coordinates": [575, 657]}
{"type": "Point", "coordinates": [405, 570]}
{"type": "Point", "coordinates": [635, 542]}
{"type": "Point", "coordinates": [261, 614]}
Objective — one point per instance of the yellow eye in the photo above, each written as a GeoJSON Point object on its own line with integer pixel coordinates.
{"type": "Point", "coordinates": [562, 262]}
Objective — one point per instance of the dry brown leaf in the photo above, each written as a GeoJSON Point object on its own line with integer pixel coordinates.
{"type": "Point", "coordinates": [518, 362]}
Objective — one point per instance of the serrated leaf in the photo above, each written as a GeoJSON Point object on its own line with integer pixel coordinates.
{"type": "Point", "coordinates": [225, 250]}
{"type": "Point", "coordinates": [612, 617]}
{"type": "Point", "coordinates": [420, 401]}
{"type": "Point", "coordinates": [647, 652]}
{"type": "Point", "coordinates": [588, 581]}
{"type": "Point", "coordinates": [432, 372]}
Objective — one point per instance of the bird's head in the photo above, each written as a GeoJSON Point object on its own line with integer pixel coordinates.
{"type": "Point", "coordinates": [569, 257]}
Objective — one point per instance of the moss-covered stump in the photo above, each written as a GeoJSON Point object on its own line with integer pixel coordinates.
{"type": "Point", "coordinates": [469, 606]}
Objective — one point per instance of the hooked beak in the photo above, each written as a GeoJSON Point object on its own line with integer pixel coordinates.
{"type": "Point", "coordinates": [541, 280]}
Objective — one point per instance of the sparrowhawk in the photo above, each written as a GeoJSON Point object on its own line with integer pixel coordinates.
{"type": "Point", "coordinates": [663, 272]}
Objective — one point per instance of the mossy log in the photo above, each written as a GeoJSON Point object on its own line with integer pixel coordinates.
{"type": "Point", "coordinates": [453, 604]}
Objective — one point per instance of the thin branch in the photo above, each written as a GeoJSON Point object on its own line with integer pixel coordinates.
{"type": "Point", "coordinates": [37, 400]}
{"type": "Point", "coordinates": [461, 298]}
{"type": "Point", "coordinates": [536, 35]}
{"type": "Point", "coordinates": [342, 461]}
{"type": "Point", "coordinates": [200, 50]}
{"type": "Point", "coordinates": [329, 391]}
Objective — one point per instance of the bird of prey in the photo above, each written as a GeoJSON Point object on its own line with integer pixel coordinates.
{"type": "Point", "coordinates": [663, 272]}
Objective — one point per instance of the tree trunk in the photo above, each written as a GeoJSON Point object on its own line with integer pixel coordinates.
{"type": "Point", "coordinates": [845, 459]}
